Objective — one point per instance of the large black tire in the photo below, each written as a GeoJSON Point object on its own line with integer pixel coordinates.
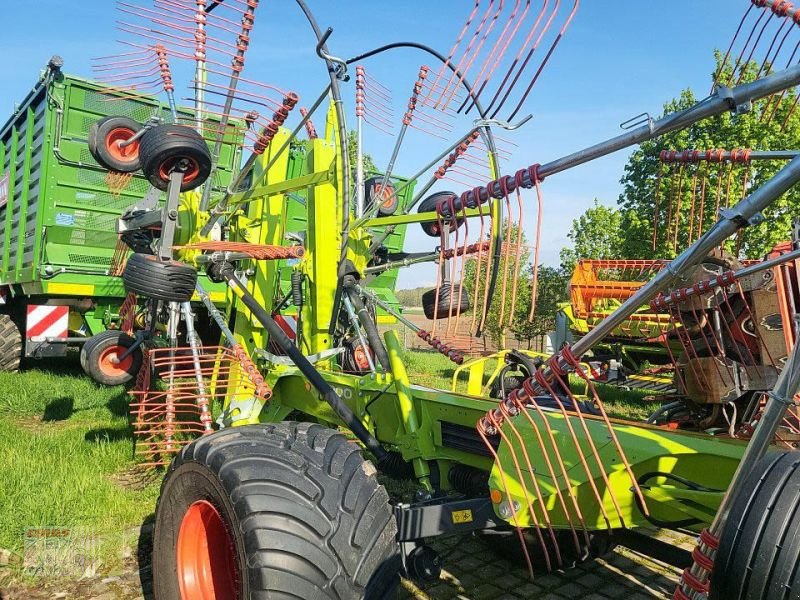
{"type": "Point", "coordinates": [99, 352]}
{"type": "Point", "coordinates": [760, 543]}
{"type": "Point", "coordinates": [10, 344]}
{"type": "Point", "coordinates": [165, 148]}
{"type": "Point", "coordinates": [172, 281]}
{"type": "Point", "coordinates": [104, 138]}
{"type": "Point", "coordinates": [445, 310]}
{"type": "Point", "coordinates": [301, 513]}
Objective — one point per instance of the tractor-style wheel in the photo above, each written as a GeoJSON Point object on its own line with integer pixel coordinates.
{"type": "Point", "coordinates": [287, 510]}
{"type": "Point", "coordinates": [10, 344]}
{"type": "Point", "coordinates": [445, 310]}
{"type": "Point", "coordinates": [384, 198]}
{"type": "Point", "coordinates": [100, 358]}
{"type": "Point", "coordinates": [759, 547]}
{"type": "Point", "coordinates": [167, 148]}
{"type": "Point", "coordinates": [430, 204]}
{"type": "Point", "coordinates": [106, 139]}
{"type": "Point", "coordinates": [171, 281]}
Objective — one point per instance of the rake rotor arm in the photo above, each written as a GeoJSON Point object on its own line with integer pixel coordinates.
{"type": "Point", "coordinates": [723, 100]}
{"type": "Point", "coordinates": [731, 220]}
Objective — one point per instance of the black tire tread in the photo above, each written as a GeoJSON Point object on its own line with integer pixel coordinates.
{"type": "Point", "coordinates": [10, 344]}
{"type": "Point", "coordinates": [760, 546]}
{"type": "Point", "coordinates": [171, 281]}
{"type": "Point", "coordinates": [444, 310]}
{"type": "Point", "coordinates": [166, 141]}
{"type": "Point", "coordinates": [309, 508]}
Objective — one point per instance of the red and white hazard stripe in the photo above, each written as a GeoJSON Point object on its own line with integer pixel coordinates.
{"type": "Point", "coordinates": [3, 294]}
{"type": "Point", "coordinates": [47, 322]}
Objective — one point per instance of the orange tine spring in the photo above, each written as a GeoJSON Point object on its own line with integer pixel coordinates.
{"type": "Point", "coordinates": [445, 68]}
{"type": "Point", "coordinates": [656, 207]}
{"type": "Point", "coordinates": [754, 48]}
{"type": "Point", "coordinates": [507, 412]}
{"type": "Point", "coordinates": [678, 202]}
{"type": "Point", "coordinates": [541, 380]}
{"type": "Point", "coordinates": [499, 49]}
{"type": "Point", "coordinates": [464, 70]}
{"type": "Point", "coordinates": [534, 517]}
{"type": "Point", "coordinates": [453, 270]}
{"type": "Point", "coordinates": [738, 62]}
{"type": "Point", "coordinates": [506, 253]}
{"type": "Point", "coordinates": [538, 242]}
{"type": "Point", "coordinates": [514, 517]}
{"type": "Point", "coordinates": [694, 204]}
{"type": "Point", "coordinates": [486, 288]}
{"type": "Point", "coordinates": [599, 405]}
{"type": "Point", "coordinates": [444, 237]}
{"type": "Point", "coordinates": [517, 254]}
{"type": "Point", "coordinates": [546, 454]}
{"type": "Point", "coordinates": [546, 59]}
{"type": "Point", "coordinates": [461, 256]}
{"type": "Point", "coordinates": [451, 74]}
{"type": "Point", "coordinates": [701, 216]}
{"type": "Point", "coordinates": [730, 48]}
{"type": "Point", "coordinates": [527, 49]}
{"type": "Point", "coordinates": [564, 383]}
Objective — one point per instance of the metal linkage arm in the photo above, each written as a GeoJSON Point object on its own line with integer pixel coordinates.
{"type": "Point", "coordinates": [724, 99]}
{"type": "Point", "coordinates": [731, 220]}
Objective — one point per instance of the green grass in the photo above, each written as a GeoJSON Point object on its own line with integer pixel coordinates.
{"type": "Point", "coordinates": [435, 370]}
{"type": "Point", "coordinates": [66, 457]}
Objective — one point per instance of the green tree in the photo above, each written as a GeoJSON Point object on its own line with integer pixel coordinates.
{"type": "Point", "coordinates": [597, 233]}
{"type": "Point", "coordinates": [649, 188]}
{"type": "Point", "coordinates": [352, 148]}
{"type": "Point", "coordinates": [551, 290]}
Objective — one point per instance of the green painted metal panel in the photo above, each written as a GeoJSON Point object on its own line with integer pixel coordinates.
{"type": "Point", "coordinates": [61, 212]}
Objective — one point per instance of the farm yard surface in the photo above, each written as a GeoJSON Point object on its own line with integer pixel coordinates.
{"type": "Point", "coordinates": [67, 441]}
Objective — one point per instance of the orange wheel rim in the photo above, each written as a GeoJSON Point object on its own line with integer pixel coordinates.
{"type": "Point", "coordinates": [114, 140]}
{"type": "Point", "coordinates": [189, 175]}
{"type": "Point", "coordinates": [109, 362]}
{"type": "Point", "coordinates": [205, 556]}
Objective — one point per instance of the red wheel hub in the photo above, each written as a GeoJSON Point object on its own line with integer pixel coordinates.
{"type": "Point", "coordinates": [110, 364]}
{"type": "Point", "coordinates": [206, 556]}
{"type": "Point", "coordinates": [191, 172]}
{"type": "Point", "coordinates": [114, 139]}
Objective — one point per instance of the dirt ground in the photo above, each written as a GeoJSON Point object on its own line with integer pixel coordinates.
{"type": "Point", "coordinates": [471, 572]}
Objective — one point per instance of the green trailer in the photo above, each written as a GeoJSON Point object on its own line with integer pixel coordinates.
{"type": "Point", "coordinates": [58, 214]}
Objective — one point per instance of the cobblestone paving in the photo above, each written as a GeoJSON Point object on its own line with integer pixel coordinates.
{"type": "Point", "coordinates": [471, 572]}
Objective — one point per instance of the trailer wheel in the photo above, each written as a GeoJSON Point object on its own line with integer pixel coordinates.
{"type": "Point", "coordinates": [760, 543]}
{"type": "Point", "coordinates": [289, 510]}
{"type": "Point", "coordinates": [10, 344]}
{"type": "Point", "coordinates": [99, 358]}
{"type": "Point", "coordinates": [105, 137]}
{"type": "Point", "coordinates": [172, 281]}
{"type": "Point", "coordinates": [444, 309]}
{"type": "Point", "coordinates": [167, 148]}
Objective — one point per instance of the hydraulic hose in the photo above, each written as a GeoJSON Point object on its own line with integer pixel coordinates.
{"type": "Point", "coordinates": [306, 368]}
{"type": "Point", "coordinates": [368, 324]}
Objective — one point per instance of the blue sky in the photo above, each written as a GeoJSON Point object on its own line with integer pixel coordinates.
{"type": "Point", "coordinates": [618, 59]}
